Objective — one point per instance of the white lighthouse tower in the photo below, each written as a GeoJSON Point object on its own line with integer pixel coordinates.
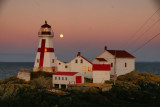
{"type": "Point", "coordinates": [45, 58]}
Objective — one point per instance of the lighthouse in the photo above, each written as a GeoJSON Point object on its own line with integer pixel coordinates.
{"type": "Point", "coordinates": [45, 58]}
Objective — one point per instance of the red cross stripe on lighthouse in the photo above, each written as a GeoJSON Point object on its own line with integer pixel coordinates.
{"type": "Point", "coordinates": [42, 50]}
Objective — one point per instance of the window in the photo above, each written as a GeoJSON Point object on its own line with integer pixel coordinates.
{"type": "Point", "coordinates": [66, 66]}
{"type": "Point", "coordinates": [46, 29]}
{"type": "Point", "coordinates": [62, 78]}
{"type": "Point", "coordinates": [83, 68]}
{"type": "Point", "coordinates": [55, 78]}
{"type": "Point", "coordinates": [81, 60]}
{"type": "Point", "coordinates": [52, 60]}
{"type": "Point", "coordinates": [37, 60]}
{"type": "Point", "coordinates": [66, 78]}
{"type": "Point", "coordinates": [111, 64]}
{"type": "Point", "coordinates": [76, 61]}
{"type": "Point", "coordinates": [89, 68]}
{"type": "Point", "coordinates": [125, 64]}
{"type": "Point", "coordinates": [59, 78]}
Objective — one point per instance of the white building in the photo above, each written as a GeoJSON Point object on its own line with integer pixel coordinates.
{"type": "Point", "coordinates": [45, 58]}
{"type": "Point", "coordinates": [24, 75]}
{"type": "Point", "coordinates": [101, 73]}
{"type": "Point", "coordinates": [121, 61]}
{"type": "Point", "coordinates": [65, 79]}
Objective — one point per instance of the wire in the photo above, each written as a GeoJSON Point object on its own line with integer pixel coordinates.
{"type": "Point", "coordinates": [146, 43]}
{"type": "Point", "coordinates": [143, 25]}
{"type": "Point", "coordinates": [140, 36]}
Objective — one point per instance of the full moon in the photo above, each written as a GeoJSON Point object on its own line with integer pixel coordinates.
{"type": "Point", "coordinates": [61, 35]}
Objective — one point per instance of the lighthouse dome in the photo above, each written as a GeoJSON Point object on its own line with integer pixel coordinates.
{"type": "Point", "coordinates": [45, 30]}
{"type": "Point", "coordinates": [46, 25]}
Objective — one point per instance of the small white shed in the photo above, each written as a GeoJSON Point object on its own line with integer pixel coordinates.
{"type": "Point", "coordinates": [24, 75]}
{"type": "Point", "coordinates": [101, 73]}
{"type": "Point", "coordinates": [64, 79]}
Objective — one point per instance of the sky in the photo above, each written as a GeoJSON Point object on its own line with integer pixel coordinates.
{"type": "Point", "coordinates": [87, 26]}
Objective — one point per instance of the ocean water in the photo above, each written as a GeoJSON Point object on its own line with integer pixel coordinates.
{"type": "Point", "coordinates": [8, 69]}
{"type": "Point", "coordinates": [148, 67]}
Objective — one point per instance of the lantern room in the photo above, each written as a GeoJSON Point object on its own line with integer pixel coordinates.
{"type": "Point", "coordinates": [45, 30]}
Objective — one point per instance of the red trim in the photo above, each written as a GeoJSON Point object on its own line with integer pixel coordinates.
{"type": "Point", "coordinates": [46, 33]}
{"type": "Point", "coordinates": [45, 49]}
{"type": "Point", "coordinates": [101, 67]}
{"type": "Point", "coordinates": [101, 59]}
{"type": "Point", "coordinates": [41, 50]}
{"type": "Point", "coordinates": [66, 73]}
{"type": "Point", "coordinates": [86, 59]}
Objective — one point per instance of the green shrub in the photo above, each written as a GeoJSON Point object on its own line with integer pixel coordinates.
{"type": "Point", "coordinates": [40, 74]}
{"type": "Point", "coordinates": [88, 80]}
{"type": "Point", "coordinates": [42, 82]}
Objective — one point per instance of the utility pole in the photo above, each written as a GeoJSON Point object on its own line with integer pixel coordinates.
{"type": "Point", "coordinates": [115, 67]}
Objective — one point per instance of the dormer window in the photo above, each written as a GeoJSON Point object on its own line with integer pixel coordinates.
{"type": "Point", "coordinates": [76, 61]}
{"type": "Point", "coordinates": [81, 60]}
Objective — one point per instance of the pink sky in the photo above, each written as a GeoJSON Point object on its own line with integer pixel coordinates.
{"type": "Point", "coordinates": [87, 26]}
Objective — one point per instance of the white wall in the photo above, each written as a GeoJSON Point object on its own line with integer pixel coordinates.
{"type": "Point", "coordinates": [121, 69]}
{"type": "Point", "coordinates": [70, 79]}
{"type": "Point", "coordinates": [61, 66]}
{"type": "Point", "coordinates": [48, 56]}
{"type": "Point", "coordinates": [101, 76]}
{"type": "Point", "coordinates": [36, 64]}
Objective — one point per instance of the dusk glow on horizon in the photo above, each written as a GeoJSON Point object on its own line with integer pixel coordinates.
{"type": "Point", "coordinates": [88, 25]}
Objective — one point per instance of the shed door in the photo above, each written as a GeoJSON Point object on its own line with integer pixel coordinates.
{"type": "Point", "coordinates": [78, 79]}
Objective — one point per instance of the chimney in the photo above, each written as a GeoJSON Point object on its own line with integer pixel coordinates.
{"type": "Point", "coordinates": [79, 54]}
{"type": "Point", "coordinates": [105, 48]}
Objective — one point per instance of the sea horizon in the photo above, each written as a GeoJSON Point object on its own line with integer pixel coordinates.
{"type": "Point", "coordinates": [8, 69]}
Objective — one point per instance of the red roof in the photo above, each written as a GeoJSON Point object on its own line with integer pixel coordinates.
{"type": "Point", "coordinates": [120, 54]}
{"type": "Point", "coordinates": [86, 60]}
{"type": "Point", "coordinates": [65, 73]}
{"type": "Point", "coordinates": [101, 67]}
{"type": "Point", "coordinates": [101, 59]}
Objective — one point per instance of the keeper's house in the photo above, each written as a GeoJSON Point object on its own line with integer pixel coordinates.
{"type": "Point", "coordinates": [121, 61]}
{"type": "Point", "coordinates": [101, 73]}
{"type": "Point", "coordinates": [64, 79]}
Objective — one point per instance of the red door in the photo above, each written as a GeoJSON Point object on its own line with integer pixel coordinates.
{"type": "Point", "coordinates": [78, 79]}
